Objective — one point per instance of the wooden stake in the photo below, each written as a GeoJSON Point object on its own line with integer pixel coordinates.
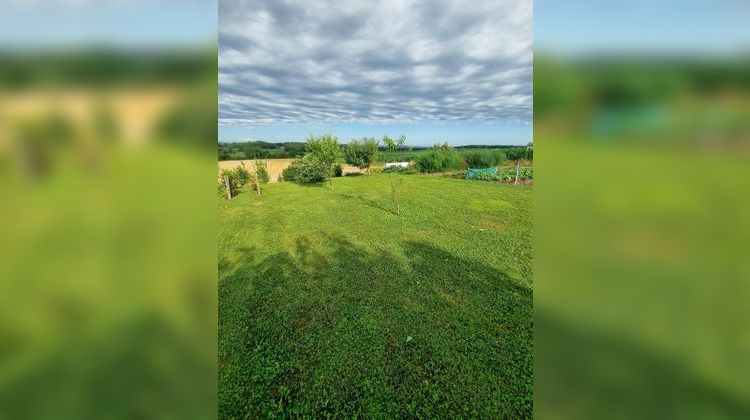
{"type": "Point", "coordinates": [229, 188]}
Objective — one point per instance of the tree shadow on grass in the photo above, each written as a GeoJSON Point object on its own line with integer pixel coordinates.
{"type": "Point", "coordinates": [330, 328]}
{"type": "Point", "coordinates": [368, 202]}
{"type": "Point", "coordinates": [586, 373]}
{"type": "Point", "coordinates": [313, 185]}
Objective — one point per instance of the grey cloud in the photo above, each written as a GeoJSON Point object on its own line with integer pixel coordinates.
{"type": "Point", "coordinates": [374, 62]}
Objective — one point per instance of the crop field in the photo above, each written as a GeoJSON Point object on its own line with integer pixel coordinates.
{"type": "Point", "coordinates": [330, 304]}
{"type": "Point", "coordinates": [405, 155]}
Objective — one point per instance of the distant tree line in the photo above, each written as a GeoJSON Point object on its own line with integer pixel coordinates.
{"type": "Point", "coordinates": [260, 150]}
{"type": "Point", "coordinates": [358, 150]}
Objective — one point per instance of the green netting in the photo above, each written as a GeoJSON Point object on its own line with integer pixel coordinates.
{"type": "Point", "coordinates": [472, 173]}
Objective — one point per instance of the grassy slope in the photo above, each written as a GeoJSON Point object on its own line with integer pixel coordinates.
{"type": "Point", "coordinates": [329, 303]}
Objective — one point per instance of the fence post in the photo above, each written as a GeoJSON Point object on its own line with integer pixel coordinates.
{"type": "Point", "coordinates": [229, 187]}
{"type": "Point", "coordinates": [518, 168]}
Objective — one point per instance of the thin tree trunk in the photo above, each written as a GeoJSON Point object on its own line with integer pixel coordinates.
{"type": "Point", "coordinates": [394, 193]}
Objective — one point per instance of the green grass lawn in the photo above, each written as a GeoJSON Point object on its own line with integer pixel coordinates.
{"type": "Point", "coordinates": [330, 304]}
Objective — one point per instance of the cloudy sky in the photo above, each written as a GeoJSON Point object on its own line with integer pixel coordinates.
{"type": "Point", "coordinates": [435, 70]}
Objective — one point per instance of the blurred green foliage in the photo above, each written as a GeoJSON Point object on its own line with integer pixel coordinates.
{"type": "Point", "coordinates": [640, 268]}
{"type": "Point", "coordinates": [108, 268]}
{"type": "Point", "coordinates": [104, 67]}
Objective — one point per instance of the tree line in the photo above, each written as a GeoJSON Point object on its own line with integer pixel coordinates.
{"type": "Point", "coordinates": [268, 150]}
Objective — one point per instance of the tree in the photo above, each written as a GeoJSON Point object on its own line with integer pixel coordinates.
{"type": "Point", "coordinates": [326, 150]}
{"type": "Point", "coordinates": [261, 175]}
{"type": "Point", "coordinates": [394, 179]}
{"type": "Point", "coordinates": [361, 153]}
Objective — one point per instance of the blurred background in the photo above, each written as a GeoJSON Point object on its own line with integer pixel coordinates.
{"type": "Point", "coordinates": [642, 275]}
{"type": "Point", "coordinates": [107, 215]}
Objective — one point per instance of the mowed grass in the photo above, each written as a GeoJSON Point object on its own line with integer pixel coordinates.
{"type": "Point", "coordinates": [330, 304]}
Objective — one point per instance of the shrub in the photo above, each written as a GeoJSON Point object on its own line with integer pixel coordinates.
{"type": "Point", "coordinates": [515, 153]}
{"type": "Point", "coordinates": [361, 153]}
{"type": "Point", "coordinates": [261, 171]}
{"type": "Point", "coordinates": [438, 161]}
{"type": "Point", "coordinates": [499, 156]}
{"type": "Point", "coordinates": [485, 158]}
{"type": "Point", "coordinates": [444, 147]}
{"type": "Point", "coordinates": [238, 177]}
{"type": "Point", "coordinates": [338, 170]}
{"type": "Point", "coordinates": [307, 170]}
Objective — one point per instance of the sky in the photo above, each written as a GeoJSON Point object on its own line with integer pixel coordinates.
{"type": "Point", "coordinates": [439, 70]}
{"type": "Point", "coordinates": [685, 27]}
{"type": "Point", "coordinates": [120, 23]}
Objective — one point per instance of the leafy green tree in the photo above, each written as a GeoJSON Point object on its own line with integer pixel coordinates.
{"type": "Point", "coordinates": [261, 175]}
{"type": "Point", "coordinates": [394, 178]}
{"type": "Point", "coordinates": [326, 150]}
{"type": "Point", "coordinates": [362, 153]}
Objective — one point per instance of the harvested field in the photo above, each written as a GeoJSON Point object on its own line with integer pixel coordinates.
{"type": "Point", "coordinates": [275, 166]}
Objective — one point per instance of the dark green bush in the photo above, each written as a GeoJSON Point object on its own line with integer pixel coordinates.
{"type": "Point", "coordinates": [306, 170]}
{"type": "Point", "coordinates": [439, 161]}
{"type": "Point", "coordinates": [515, 153]}
{"type": "Point", "coordinates": [485, 158]}
{"type": "Point", "coordinates": [338, 170]}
